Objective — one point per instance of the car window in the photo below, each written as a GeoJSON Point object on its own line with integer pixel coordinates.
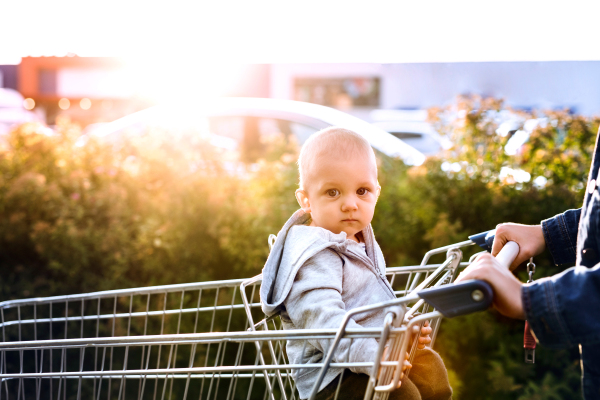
{"type": "Point", "coordinates": [237, 127]}
{"type": "Point", "coordinates": [269, 127]}
{"type": "Point", "coordinates": [253, 132]}
{"type": "Point", "coordinates": [301, 131]}
{"type": "Point", "coordinates": [229, 126]}
{"type": "Point", "coordinates": [407, 135]}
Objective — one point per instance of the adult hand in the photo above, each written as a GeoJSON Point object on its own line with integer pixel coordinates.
{"type": "Point", "coordinates": [506, 287]}
{"type": "Point", "coordinates": [530, 239]}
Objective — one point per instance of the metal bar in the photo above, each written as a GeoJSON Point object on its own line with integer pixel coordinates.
{"type": "Point", "coordinates": [126, 315]}
{"type": "Point", "coordinates": [51, 352]}
{"type": "Point", "coordinates": [234, 378]}
{"type": "Point", "coordinates": [209, 337]}
{"type": "Point", "coordinates": [438, 251]}
{"type": "Point", "coordinates": [444, 249]}
{"type": "Point", "coordinates": [145, 376]}
{"type": "Point", "coordinates": [420, 302]}
{"type": "Point", "coordinates": [96, 349]}
{"type": "Point", "coordinates": [435, 273]}
{"type": "Point", "coordinates": [20, 354]}
{"type": "Point", "coordinates": [81, 359]}
{"type": "Point", "coordinates": [38, 390]}
{"type": "Point", "coordinates": [81, 351]}
{"type": "Point", "coordinates": [342, 330]}
{"type": "Point", "coordinates": [124, 292]}
{"type": "Point", "coordinates": [258, 344]}
{"type": "Point", "coordinates": [212, 323]}
{"type": "Point", "coordinates": [162, 327]}
{"type": "Point", "coordinates": [188, 286]}
{"type": "Point", "coordinates": [194, 347]}
{"type": "Point", "coordinates": [152, 376]}
{"type": "Point", "coordinates": [403, 348]}
{"type": "Point", "coordinates": [176, 346]}
{"type": "Point", "coordinates": [252, 378]}
{"type": "Point", "coordinates": [112, 350]}
{"type": "Point", "coordinates": [164, 372]}
{"type": "Point", "coordinates": [35, 338]}
{"type": "Point", "coordinates": [100, 377]}
{"type": "Point", "coordinates": [226, 330]}
{"type": "Point", "coordinates": [165, 383]}
{"type": "Point", "coordinates": [212, 379]}
{"type": "Point", "coordinates": [142, 383]}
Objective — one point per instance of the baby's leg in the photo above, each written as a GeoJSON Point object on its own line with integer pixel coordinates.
{"type": "Point", "coordinates": [407, 391]}
{"type": "Point", "coordinates": [430, 376]}
{"type": "Point", "coordinates": [354, 386]}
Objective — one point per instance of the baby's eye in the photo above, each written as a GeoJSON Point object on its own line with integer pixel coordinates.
{"type": "Point", "coordinates": [332, 192]}
{"type": "Point", "coordinates": [362, 191]}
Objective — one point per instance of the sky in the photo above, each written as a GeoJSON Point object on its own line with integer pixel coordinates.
{"type": "Point", "coordinates": [303, 31]}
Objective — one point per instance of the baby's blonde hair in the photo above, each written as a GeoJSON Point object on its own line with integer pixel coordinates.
{"type": "Point", "coordinates": [332, 141]}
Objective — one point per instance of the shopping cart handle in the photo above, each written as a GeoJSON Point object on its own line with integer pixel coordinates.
{"type": "Point", "coordinates": [459, 298]}
{"type": "Point", "coordinates": [484, 239]}
{"type": "Point", "coordinates": [507, 254]}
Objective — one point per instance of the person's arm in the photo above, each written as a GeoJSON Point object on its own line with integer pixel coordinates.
{"type": "Point", "coordinates": [562, 310]}
{"type": "Point", "coordinates": [315, 302]}
{"type": "Point", "coordinates": [560, 234]}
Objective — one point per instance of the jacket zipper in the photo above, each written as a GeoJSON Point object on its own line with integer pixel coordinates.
{"type": "Point", "coordinates": [379, 273]}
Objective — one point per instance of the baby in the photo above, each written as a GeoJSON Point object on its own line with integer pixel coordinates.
{"type": "Point", "coordinates": [326, 261]}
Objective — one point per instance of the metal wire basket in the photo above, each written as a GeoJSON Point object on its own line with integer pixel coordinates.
{"type": "Point", "coordinates": [195, 341]}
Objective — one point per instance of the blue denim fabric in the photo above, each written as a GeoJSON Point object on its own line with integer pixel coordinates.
{"type": "Point", "coordinates": [560, 233]}
{"type": "Point", "coordinates": [564, 310]}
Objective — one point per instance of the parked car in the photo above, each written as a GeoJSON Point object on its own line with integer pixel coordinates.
{"type": "Point", "coordinates": [419, 135]}
{"type": "Point", "coordinates": [411, 127]}
{"type": "Point", "coordinates": [234, 122]}
{"type": "Point", "coordinates": [12, 111]}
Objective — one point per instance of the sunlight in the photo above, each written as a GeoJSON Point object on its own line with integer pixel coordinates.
{"type": "Point", "coordinates": [184, 82]}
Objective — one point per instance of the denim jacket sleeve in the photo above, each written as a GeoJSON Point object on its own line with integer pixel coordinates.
{"type": "Point", "coordinates": [562, 310]}
{"type": "Point", "coordinates": [560, 233]}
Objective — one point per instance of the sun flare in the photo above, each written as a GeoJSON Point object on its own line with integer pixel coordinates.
{"type": "Point", "coordinates": [162, 80]}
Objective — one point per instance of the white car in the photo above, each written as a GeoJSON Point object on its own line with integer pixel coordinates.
{"type": "Point", "coordinates": [411, 126]}
{"type": "Point", "coordinates": [419, 135]}
{"type": "Point", "coordinates": [12, 112]}
{"type": "Point", "coordinates": [232, 121]}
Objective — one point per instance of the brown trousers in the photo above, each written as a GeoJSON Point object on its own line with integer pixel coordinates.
{"type": "Point", "coordinates": [427, 380]}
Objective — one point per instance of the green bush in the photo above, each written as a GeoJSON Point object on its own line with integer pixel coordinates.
{"type": "Point", "coordinates": [151, 209]}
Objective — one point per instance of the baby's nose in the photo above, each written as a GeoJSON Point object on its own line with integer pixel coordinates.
{"type": "Point", "coordinates": [349, 203]}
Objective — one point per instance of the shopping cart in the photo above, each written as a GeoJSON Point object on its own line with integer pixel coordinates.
{"type": "Point", "coordinates": [201, 341]}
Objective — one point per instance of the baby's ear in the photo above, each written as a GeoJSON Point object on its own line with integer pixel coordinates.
{"type": "Point", "coordinates": [302, 198]}
{"type": "Point", "coordinates": [378, 191]}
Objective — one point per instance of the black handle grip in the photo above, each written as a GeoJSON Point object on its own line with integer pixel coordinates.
{"type": "Point", "coordinates": [459, 298]}
{"type": "Point", "coordinates": [484, 239]}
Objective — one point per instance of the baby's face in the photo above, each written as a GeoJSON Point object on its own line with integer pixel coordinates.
{"type": "Point", "coordinates": [342, 193]}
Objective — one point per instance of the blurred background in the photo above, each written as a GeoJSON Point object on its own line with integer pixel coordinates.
{"type": "Point", "coordinates": [145, 144]}
{"type": "Point", "coordinates": [393, 96]}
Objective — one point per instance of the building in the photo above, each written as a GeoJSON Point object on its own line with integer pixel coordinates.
{"type": "Point", "coordinates": [101, 89]}
{"type": "Point", "coordinates": [363, 87]}
{"type": "Point", "coordinates": [97, 89]}
{"type": "Point", "coordinates": [8, 76]}
{"type": "Point", "coordinates": [86, 89]}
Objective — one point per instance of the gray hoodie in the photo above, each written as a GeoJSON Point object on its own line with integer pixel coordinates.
{"type": "Point", "coordinates": [312, 278]}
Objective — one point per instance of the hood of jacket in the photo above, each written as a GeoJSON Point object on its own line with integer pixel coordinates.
{"type": "Point", "coordinates": [295, 244]}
